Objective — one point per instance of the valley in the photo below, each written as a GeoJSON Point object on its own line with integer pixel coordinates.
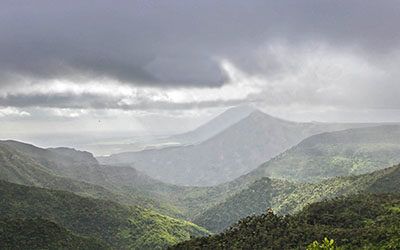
{"type": "Point", "coordinates": [321, 167]}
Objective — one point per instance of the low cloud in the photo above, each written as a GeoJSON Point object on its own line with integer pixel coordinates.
{"type": "Point", "coordinates": [79, 58]}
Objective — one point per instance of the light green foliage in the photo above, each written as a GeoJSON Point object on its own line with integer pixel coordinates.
{"type": "Point", "coordinates": [327, 244]}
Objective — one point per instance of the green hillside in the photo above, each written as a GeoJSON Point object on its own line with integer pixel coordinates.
{"type": "Point", "coordinates": [315, 159]}
{"type": "Point", "coordinates": [38, 233]}
{"type": "Point", "coordinates": [66, 162]}
{"type": "Point", "coordinates": [120, 226]}
{"type": "Point", "coordinates": [354, 222]}
{"type": "Point", "coordinates": [342, 153]}
{"type": "Point", "coordinates": [32, 166]}
{"type": "Point", "coordinates": [285, 197]}
{"type": "Point", "coordinates": [255, 199]}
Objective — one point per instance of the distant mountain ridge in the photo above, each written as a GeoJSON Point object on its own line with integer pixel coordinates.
{"type": "Point", "coordinates": [64, 162]}
{"type": "Point", "coordinates": [235, 151]}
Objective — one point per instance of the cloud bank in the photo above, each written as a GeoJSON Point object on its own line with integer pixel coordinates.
{"type": "Point", "coordinates": [183, 55]}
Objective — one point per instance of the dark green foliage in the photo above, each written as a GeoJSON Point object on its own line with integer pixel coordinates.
{"type": "Point", "coordinates": [359, 221]}
{"type": "Point", "coordinates": [118, 225]}
{"type": "Point", "coordinates": [387, 182]}
{"type": "Point", "coordinates": [38, 233]}
{"type": "Point", "coordinates": [253, 200]}
{"type": "Point", "coordinates": [285, 197]}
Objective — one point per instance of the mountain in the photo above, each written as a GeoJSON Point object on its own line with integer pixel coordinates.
{"type": "Point", "coordinates": [368, 221]}
{"type": "Point", "coordinates": [229, 154]}
{"type": "Point", "coordinates": [346, 153]}
{"type": "Point", "coordinates": [120, 226]}
{"type": "Point", "coordinates": [125, 143]}
{"type": "Point", "coordinates": [64, 162]}
{"type": "Point", "coordinates": [217, 207]}
{"type": "Point", "coordinates": [39, 233]}
{"type": "Point", "coordinates": [26, 164]}
{"type": "Point", "coordinates": [286, 197]}
{"type": "Point", "coordinates": [341, 153]}
{"type": "Point", "coordinates": [214, 126]}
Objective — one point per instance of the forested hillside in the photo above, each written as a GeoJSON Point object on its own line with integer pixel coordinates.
{"type": "Point", "coordinates": [29, 165]}
{"type": "Point", "coordinates": [120, 226]}
{"type": "Point", "coordinates": [214, 208]}
{"type": "Point", "coordinates": [37, 233]}
{"type": "Point", "coordinates": [286, 198]}
{"type": "Point", "coordinates": [354, 222]}
{"type": "Point", "coordinates": [342, 153]}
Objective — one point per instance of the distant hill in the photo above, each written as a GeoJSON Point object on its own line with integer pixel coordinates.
{"type": "Point", "coordinates": [235, 151]}
{"type": "Point", "coordinates": [341, 153]}
{"type": "Point", "coordinates": [369, 221]}
{"type": "Point", "coordinates": [122, 227]}
{"type": "Point", "coordinates": [64, 162]}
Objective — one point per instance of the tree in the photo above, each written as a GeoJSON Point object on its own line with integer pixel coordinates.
{"type": "Point", "coordinates": [327, 244]}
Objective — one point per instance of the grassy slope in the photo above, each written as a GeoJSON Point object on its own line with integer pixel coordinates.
{"type": "Point", "coordinates": [118, 225]}
{"type": "Point", "coordinates": [355, 222]}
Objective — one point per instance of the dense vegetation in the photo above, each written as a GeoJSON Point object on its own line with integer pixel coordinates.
{"type": "Point", "coordinates": [358, 221]}
{"type": "Point", "coordinates": [118, 225]}
{"type": "Point", "coordinates": [255, 199]}
{"type": "Point", "coordinates": [29, 165]}
{"type": "Point", "coordinates": [214, 208]}
{"type": "Point", "coordinates": [38, 233]}
{"type": "Point", "coordinates": [285, 197]}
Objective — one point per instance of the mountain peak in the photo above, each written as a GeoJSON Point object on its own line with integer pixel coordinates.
{"type": "Point", "coordinates": [240, 109]}
{"type": "Point", "coordinates": [258, 115]}
{"type": "Point", "coordinates": [215, 125]}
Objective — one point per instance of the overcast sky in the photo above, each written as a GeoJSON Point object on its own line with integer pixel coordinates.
{"type": "Point", "coordinates": [166, 66]}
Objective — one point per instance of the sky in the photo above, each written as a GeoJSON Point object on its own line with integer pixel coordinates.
{"type": "Point", "coordinates": [160, 67]}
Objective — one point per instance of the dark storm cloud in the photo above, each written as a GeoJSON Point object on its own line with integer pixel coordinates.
{"type": "Point", "coordinates": [178, 43]}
